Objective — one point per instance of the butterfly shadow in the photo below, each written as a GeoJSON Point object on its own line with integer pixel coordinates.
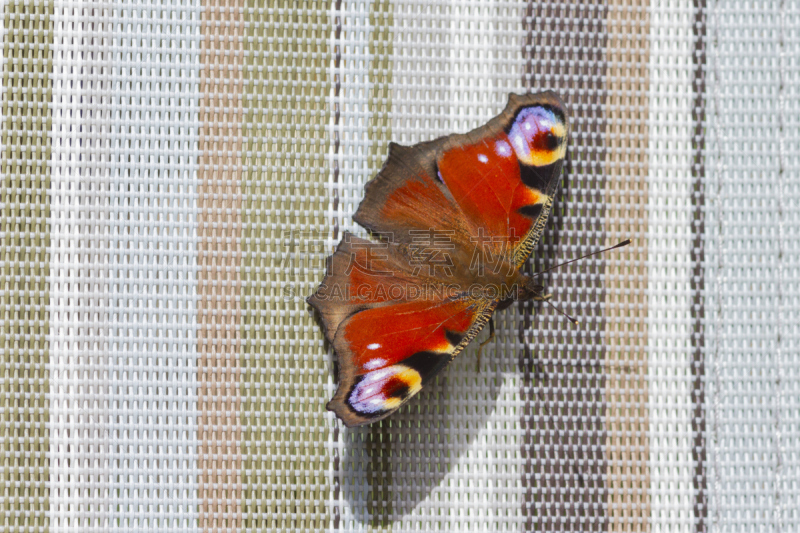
{"type": "Point", "coordinates": [390, 468]}
{"type": "Point", "coordinates": [386, 470]}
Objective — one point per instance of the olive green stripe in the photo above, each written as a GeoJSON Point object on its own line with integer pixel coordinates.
{"type": "Point", "coordinates": [24, 267]}
{"type": "Point", "coordinates": [379, 443]}
{"type": "Point", "coordinates": [287, 88]}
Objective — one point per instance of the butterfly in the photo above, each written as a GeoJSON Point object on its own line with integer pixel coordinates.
{"type": "Point", "coordinates": [455, 219]}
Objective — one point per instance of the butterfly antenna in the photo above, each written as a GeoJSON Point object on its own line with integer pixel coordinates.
{"type": "Point", "coordinates": [546, 299]}
{"type": "Point", "coordinates": [626, 242]}
{"type": "Point", "coordinates": [565, 315]}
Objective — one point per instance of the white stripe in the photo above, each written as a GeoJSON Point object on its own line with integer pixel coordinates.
{"type": "Point", "coordinates": [447, 82]}
{"type": "Point", "coordinates": [437, 88]}
{"type": "Point", "coordinates": [354, 171]}
{"type": "Point", "coordinates": [752, 255]}
{"type": "Point", "coordinates": [152, 308]}
{"type": "Point", "coordinates": [79, 274]}
{"type": "Point", "coordinates": [669, 265]}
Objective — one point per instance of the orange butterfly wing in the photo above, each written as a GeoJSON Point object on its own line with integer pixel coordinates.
{"type": "Point", "coordinates": [495, 183]}
{"type": "Point", "coordinates": [498, 181]}
{"type": "Point", "coordinates": [393, 329]}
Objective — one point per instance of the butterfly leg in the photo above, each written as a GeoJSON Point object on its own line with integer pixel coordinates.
{"type": "Point", "coordinates": [484, 343]}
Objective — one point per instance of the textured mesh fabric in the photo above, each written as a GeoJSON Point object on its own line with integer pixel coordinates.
{"type": "Point", "coordinates": [174, 175]}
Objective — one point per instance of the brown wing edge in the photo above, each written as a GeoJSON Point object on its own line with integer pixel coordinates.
{"type": "Point", "coordinates": [331, 315]}
{"type": "Point", "coordinates": [347, 375]}
{"type": "Point", "coordinates": [419, 162]}
{"type": "Point", "coordinates": [334, 312]}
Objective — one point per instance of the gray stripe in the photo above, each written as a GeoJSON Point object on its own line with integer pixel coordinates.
{"type": "Point", "coordinates": [563, 415]}
{"type": "Point", "coordinates": [698, 270]}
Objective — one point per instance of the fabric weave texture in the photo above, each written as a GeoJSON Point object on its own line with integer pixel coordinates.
{"type": "Point", "coordinates": [175, 173]}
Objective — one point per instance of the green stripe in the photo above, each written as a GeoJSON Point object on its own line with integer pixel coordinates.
{"type": "Point", "coordinates": [286, 142]}
{"type": "Point", "coordinates": [24, 267]}
{"type": "Point", "coordinates": [379, 443]}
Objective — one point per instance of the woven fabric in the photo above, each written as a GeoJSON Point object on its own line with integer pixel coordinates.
{"type": "Point", "coordinates": [175, 173]}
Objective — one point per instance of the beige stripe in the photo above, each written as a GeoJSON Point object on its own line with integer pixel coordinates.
{"type": "Point", "coordinates": [627, 442]}
{"type": "Point", "coordinates": [219, 257]}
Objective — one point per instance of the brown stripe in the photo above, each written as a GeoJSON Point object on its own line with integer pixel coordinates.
{"type": "Point", "coordinates": [626, 169]}
{"type": "Point", "coordinates": [563, 413]}
{"type": "Point", "coordinates": [219, 257]}
{"type": "Point", "coordinates": [698, 279]}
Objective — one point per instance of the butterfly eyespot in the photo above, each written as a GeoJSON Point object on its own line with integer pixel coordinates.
{"type": "Point", "coordinates": [537, 136]}
{"type": "Point", "coordinates": [384, 389]}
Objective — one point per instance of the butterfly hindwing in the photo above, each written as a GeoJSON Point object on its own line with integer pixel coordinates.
{"type": "Point", "coordinates": [387, 354]}
{"type": "Point", "coordinates": [392, 330]}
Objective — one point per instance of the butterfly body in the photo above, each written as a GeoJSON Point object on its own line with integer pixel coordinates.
{"type": "Point", "coordinates": [455, 219]}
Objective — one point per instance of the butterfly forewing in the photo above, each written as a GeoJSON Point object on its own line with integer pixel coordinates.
{"type": "Point", "coordinates": [495, 183]}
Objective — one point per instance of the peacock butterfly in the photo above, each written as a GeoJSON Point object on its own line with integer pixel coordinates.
{"type": "Point", "coordinates": [454, 220]}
